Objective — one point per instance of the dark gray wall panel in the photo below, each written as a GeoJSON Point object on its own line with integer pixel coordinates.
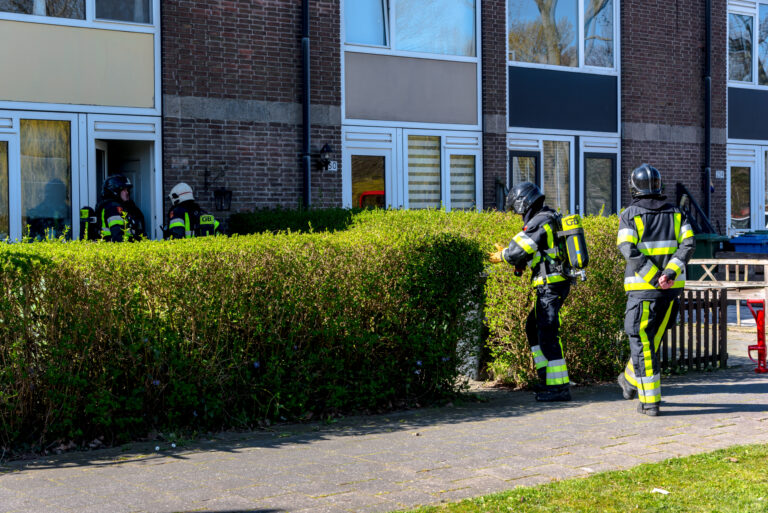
{"type": "Point", "coordinates": [747, 113]}
{"type": "Point", "coordinates": [564, 100]}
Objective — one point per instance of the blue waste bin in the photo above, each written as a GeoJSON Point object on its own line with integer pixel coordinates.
{"type": "Point", "coordinates": [755, 242]}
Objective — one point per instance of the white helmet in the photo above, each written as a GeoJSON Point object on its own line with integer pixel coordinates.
{"type": "Point", "coordinates": [180, 192]}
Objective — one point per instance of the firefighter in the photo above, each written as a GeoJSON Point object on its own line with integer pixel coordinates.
{"type": "Point", "coordinates": [186, 218]}
{"type": "Point", "coordinates": [540, 247]}
{"type": "Point", "coordinates": [657, 242]}
{"type": "Point", "coordinates": [117, 215]}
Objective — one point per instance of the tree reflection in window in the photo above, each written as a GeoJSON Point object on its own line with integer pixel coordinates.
{"type": "Point", "coordinates": [598, 33]}
{"type": "Point", "coordinates": [73, 9]}
{"type": "Point", "coordinates": [543, 31]}
{"type": "Point", "coordinates": [740, 47]}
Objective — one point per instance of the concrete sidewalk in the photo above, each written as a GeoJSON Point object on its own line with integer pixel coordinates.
{"type": "Point", "coordinates": [387, 462]}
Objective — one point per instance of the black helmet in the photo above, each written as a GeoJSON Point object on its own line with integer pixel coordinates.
{"type": "Point", "coordinates": [114, 184]}
{"type": "Point", "coordinates": [522, 197]}
{"type": "Point", "coordinates": [645, 181]}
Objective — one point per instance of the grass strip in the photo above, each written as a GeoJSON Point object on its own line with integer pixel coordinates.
{"type": "Point", "coordinates": [728, 480]}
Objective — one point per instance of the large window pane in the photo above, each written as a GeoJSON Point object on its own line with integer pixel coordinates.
{"type": "Point", "coordinates": [423, 171]}
{"type": "Point", "coordinates": [544, 32]}
{"type": "Point", "coordinates": [74, 9]}
{"type": "Point", "coordinates": [436, 26]}
{"type": "Point", "coordinates": [45, 178]}
{"type": "Point", "coordinates": [4, 207]}
{"type": "Point", "coordinates": [462, 182]}
{"type": "Point", "coordinates": [557, 175]}
{"type": "Point", "coordinates": [598, 33]}
{"type": "Point", "coordinates": [762, 63]}
{"type": "Point", "coordinates": [740, 198]}
{"type": "Point", "coordinates": [137, 11]}
{"type": "Point", "coordinates": [740, 47]}
{"type": "Point", "coordinates": [368, 181]}
{"type": "Point", "coordinates": [365, 22]}
{"type": "Point", "coordinates": [599, 174]}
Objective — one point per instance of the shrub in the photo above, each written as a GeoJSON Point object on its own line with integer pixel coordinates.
{"type": "Point", "coordinates": [115, 339]}
{"type": "Point", "coordinates": [302, 220]}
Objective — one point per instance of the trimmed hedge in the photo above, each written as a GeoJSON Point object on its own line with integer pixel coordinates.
{"type": "Point", "coordinates": [116, 339]}
{"type": "Point", "coordinates": [301, 220]}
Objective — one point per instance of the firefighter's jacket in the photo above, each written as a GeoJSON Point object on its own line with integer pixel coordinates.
{"type": "Point", "coordinates": [654, 238]}
{"type": "Point", "coordinates": [539, 247]}
{"type": "Point", "coordinates": [188, 220]}
{"type": "Point", "coordinates": [116, 221]}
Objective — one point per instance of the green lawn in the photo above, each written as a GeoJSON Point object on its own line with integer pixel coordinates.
{"type": "Point", "coordinates": [731, 480]}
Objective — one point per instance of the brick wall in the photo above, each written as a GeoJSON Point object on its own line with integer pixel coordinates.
{"type": "Point", "coordinates": [662, 87]}
{"type": "Point", "coordinates": [232, 93]}
{"type": "Point", "coordinates": [494, 71]}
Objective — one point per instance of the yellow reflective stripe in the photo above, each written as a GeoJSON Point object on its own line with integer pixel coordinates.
{"type": "Point", "coordinates": [626, 235]}
{"type": "Point", "coordinates": [176, 222]}
{"type": "Point", "coordinates": [550, 236]}
{"type": "Point", "coordinates": [676, 265]}
{"type": "Point", "coordinates": [647, 277]}
{"type": "Point", "coordinates": [539, 359]}
{"type": "Point", "coordinates": [687, 234]}
{"type": "Point", "coordinates": [640, 227]}
{"type": "Point", "coordinates": [629, 373]}
{"type": "Point", "coordinates": [644, 338]}
{"type": "Point", "coordinates": [551, 278]}
{"type": "Point", "coordinates": [667, 250]}
{"type": "Point", "coordinates": [525, 242]}
{"type": "Point", "coordinates": [188, 231]}
{"type": "Point", "coordinates": [678, 222]}
{"type": "Point", "coordinates": [578, 251]}
{"type": "Point", "coordinates": [662, 327]}
{"type": "Point", "coordinates": [112, 221]}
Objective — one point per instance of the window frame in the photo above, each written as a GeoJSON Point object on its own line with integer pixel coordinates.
{"type": "Point", "coordinates": [91, 21]}
{"type": "Point", "coordinates": [582, 67]}
{"type": "Point", "coordinates": [745, 8]}
{"type": "Point", "coordinates": [391, 33]}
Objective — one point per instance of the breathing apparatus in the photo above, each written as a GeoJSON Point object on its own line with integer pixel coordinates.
{"type": "Point", "coordinates": [572, 234]}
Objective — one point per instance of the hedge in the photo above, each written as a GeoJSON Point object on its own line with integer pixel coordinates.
{"type": "Point", "coordinates": [301, 220]}
{"type": "Point", "coordinates": [115, 340]}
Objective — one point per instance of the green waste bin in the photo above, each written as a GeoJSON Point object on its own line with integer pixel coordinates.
{"type": "Point", "coordinates": [706, 246]}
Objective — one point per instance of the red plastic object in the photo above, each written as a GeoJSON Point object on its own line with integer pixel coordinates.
{"type": "Point", "coordinates": [759, 316]}
{"type": "Point", "coordinates": [369, 193]}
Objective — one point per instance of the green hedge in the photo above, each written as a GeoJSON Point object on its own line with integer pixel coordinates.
{"type": "Point", "coordinates": [116, 339]}
{"type": "Point", "coordinates": [301, 220]}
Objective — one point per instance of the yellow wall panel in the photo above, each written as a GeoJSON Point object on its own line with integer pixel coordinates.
{"type": "Point", "coordinates": [74, 65]}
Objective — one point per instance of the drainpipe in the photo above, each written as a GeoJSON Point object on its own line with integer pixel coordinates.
{"type": "Point", "coordinates": [306, 156]}
{"type": "Point", "coordinates": [708, 110]}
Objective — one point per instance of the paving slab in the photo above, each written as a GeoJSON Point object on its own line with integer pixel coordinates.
{"type": "Point", "coordinates": [409, 458]}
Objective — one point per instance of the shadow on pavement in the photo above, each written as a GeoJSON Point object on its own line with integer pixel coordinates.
{"type": "Point", "coordinates": [498, 404]}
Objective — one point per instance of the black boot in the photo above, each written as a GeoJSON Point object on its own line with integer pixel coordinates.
{"type": "Point", "coordinates": [553, 393]}
{"type": "Point", "coordinates": [651, 410]}
{"type": "Point", "coordinates": [542, 384]}
{"type": "Point", "coordinates": [627, 390]}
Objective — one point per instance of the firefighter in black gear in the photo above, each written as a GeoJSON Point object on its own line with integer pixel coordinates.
{"type": "Point", "coordinates": [117, 215]}
{"type": "Point", "coordinates": [186, 218]}
{"type": "Point", "coordinates": [657, 242]}
{"type": "Point", "coordinates": [540, 247]}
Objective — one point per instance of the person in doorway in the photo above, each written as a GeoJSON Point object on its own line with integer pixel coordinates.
{"type": "Point", "coordinates": [186, 218]}
{"type": "Point", "coordinates": [540, 247]}
{"type": "Point", "coordinates": [119, 218]}
{"type": "Point", "coordinates": [657, 242]}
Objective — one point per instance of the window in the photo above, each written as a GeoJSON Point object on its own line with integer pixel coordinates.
{"type": "Point", "coordinates": [46, 185]}
{"type": "Point", "coordinates": [368, 185]}
{"type": "Point", "coordinates": [740, 197]}
{"type": "Point", "coordinates": [4, 205]}
{"type": "Point", "coordinates": [423, 171]}
{"type": "Point", "coordinates": [133, 11]}
{"type": "Point", "coordinates": [569, 33]}
{"type": "Point", "coordinates": [463, 182]}
{"type": "Point", "coordinates": [748, 45]}
{"type": "Point", "coordinates": [444, 27]}
{"type": "Point", "coordinates": [73, 9]}
{"type": "Point", "coordinates": [599, 184]}
{"type": "Point", "coordinates": [136, 11]}
{"type": "Point", "coordinates": [556, 184]}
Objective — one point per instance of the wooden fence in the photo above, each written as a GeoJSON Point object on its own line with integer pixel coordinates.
{"type": "Point", "coordinates": [698, 339]}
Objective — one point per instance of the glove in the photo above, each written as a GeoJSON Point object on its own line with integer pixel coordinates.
{"type": "Point", "coordinates": [497, 257]}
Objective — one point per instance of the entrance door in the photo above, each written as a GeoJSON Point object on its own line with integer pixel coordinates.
{"type": "Point", "coordinates": [600, 184]}
{"type": "Point", "coordinates": [746, 189]}
{"type": "Point", "coordinates": [128, 146]}
{"type": "Point", "coordinates": [6, 151]}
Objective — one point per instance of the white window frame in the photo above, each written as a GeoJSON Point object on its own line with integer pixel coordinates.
{"type": "Point", "coordinates": [90, 22]}
{"type": "Point", "coordinates": [387, 50]}
{"type": "Point", "coordinates": [582, 68]}
{"type": "Point", "coordinates": [745, 8]}
{"type": "Point", "coordinates": [10, 130]}
{"type": "Point", "coordinates": [392, 143]}
{"type": "Point", "coordinates": [600, 145]}
{"type": "Point", "coordinates": [752, 156]}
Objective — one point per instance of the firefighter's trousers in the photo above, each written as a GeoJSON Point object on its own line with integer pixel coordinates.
{"type": "Point", "coordinates": [645, 320]}
{"type": "Point", "coordinates": [543, 331]}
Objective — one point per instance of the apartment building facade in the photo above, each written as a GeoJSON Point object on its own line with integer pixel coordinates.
{"type": "Point", "coordinates": [416, 104]}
